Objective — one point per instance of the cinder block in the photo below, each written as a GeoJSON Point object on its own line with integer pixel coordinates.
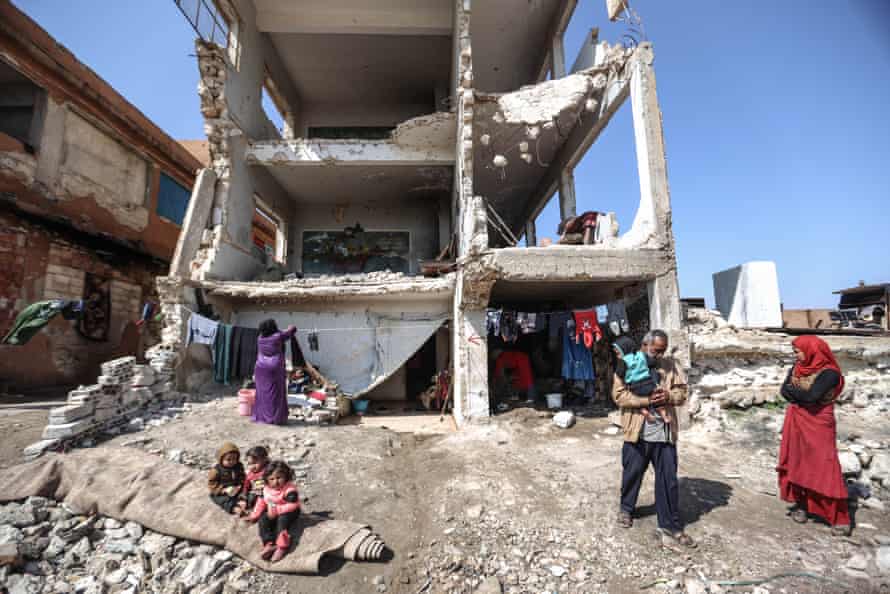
{"type": "Point", "coordinates": [69, 413]}
{"type": "Point", "coordinates": [66, 430]}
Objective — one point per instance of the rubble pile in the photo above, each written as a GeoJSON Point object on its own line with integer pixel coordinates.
{"type": "Point", "coordinates": [123, 391]}
{"type": "Point", "coordinates": [51, 548]}
{"type": "Point", "coordinates": [741, 368]}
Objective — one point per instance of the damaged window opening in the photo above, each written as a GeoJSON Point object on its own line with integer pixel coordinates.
{"type": "Point", "coordinates": [266, 233]}
{"type": "Point", "coordinates": [173, 199]}
{"type": "Point", "coordinates": [272, 107]}
{"type": "Point", "coordinates": [20, 107]}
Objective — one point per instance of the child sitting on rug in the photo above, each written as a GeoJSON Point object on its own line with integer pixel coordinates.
{"type": "Point", "coordinates": [257, 459]}
{"type": "Point", "coordinates": [276, 510]}
{"type": "Point", "coordinates": [226, 479]}
{"type": "Point", "coordinates": [640, 374]}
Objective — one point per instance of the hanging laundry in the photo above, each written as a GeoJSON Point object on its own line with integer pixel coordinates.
{"type": "Point", "coordinates": [201, 330]}
{"type": "Point", "coordinates": [617, 318]}
{"type": "Point", "coordinates": [244, 351]}
{"type": "Point", "coordinates": [577, 360]}
{"type": "Point", "coordinates": [557, 321]}
{"type": "Point", "coordinates": [296, 353]}
{"type": "Point", "coordinates": [72, 310]}
{"type": "Point", "coordinates": [509, 326]}
{"type": "Point", "coordinates": [587, 327]}
{"type": "Point", "coordinates": [222, 353]}
{"type": "Point", "coordinates": [493, 322]}
{"type": "Point", "coordinates": [527, 322]}
{"type": "Point", "coordinates": [32, 319]}
{"type": "Point", "coordinates": [313, 341]}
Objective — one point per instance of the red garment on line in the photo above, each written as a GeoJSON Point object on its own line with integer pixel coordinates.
{"type": "Point", "coordinates": [809, 469]}
{"type": "Point", "coordinates": [521, 366]}
{"type": "Point", "coordinates": [588, 326]}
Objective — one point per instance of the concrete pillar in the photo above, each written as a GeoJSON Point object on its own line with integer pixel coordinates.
{"type": "Point", "coordinates": [196, 219]}
{"type": "Point", "coordinates": [567, 204]}
{"type": "Point", "coordinates": [558, 57]}
{"type": "Point", "coordinates": [444, 216]}
{"type": "Point", "coordinates": [470, 365]}
{"type": "Point", "coordinates": [531, 234]}
{"type": "Point", "coordinates": [654, 213]}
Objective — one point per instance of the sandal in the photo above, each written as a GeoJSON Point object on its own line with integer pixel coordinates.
{"type": "Point", "coordinates": [678, 543]}
{"type": "Point", "coordinates": [625, 520]}
{"type": "Point", "coordinates": [799, 515]}
{"type": "Point", "coordinates": [841, 530]}
{"type": "Point", "coordinates": [685, 540]}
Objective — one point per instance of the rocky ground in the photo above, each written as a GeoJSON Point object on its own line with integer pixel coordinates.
{"type": "Point", "coordinates": [515, 505]}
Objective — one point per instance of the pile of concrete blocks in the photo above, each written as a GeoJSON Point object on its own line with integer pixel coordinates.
{"type": "Point", "coordinates": [124, 389]}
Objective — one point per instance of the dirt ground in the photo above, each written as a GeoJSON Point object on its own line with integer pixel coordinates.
{"type": "Point", "coordinates": [523, 500]}
{"type": "Point", "coordinates": [22, 419]}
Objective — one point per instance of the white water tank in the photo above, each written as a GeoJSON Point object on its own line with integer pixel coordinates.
{"type": "Point", "coordinates": [748, 295]}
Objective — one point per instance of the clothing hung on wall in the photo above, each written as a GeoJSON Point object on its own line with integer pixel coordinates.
{"type": "Point", "coordinates": [577, 360]}
{"type": "Point", "coordinates": [244, 352]}
{"type": "Point", "coordinates": [222, 354]}
{"type": "Point", "coordinates": [33, 318]}
{"type": "Point", "coordinates": [201, 330]}
{"type": "Point", "coordinates": [616, 318]}
{"type": "Point", "coordinates": [587, 327]}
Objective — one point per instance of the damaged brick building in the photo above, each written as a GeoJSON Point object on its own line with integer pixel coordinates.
{"type": "Point", "coordinates": [92, 195]}
{"type": "Point", "coordinates": [411, 131]}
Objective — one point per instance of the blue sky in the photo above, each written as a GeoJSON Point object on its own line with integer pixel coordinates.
{"type": "Point", "coordinates": [775, 115]}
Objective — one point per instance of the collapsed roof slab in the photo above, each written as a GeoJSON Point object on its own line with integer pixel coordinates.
{"type": "Point", "coordinates": [374, 286]}
{"type": "Point", "coordinates": [577, 263]}
{"type": "Point", "coordinates": [427, 140]}
{"type": "Point", "coordinates": [521, 138]}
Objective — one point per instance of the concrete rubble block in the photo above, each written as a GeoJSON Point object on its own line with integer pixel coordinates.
{"type": "Point", "coordinates": [36, 449]}
{"type": "Point", "coordinates": [850, 464]}
{"type": "Point", "coordinates": [9, 554]}
{"type": "Point", "coordinates": [69, 413]}
{"type": "Point", "coordinates": [66, 430]}
{"type": "Point", "coordinates": [564, 419]}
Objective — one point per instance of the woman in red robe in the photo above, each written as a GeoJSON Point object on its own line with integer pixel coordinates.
{"type": "Point", "coordinates": [809, 470]}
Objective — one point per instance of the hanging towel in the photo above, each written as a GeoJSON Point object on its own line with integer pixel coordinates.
{"type": "Point", "coordinates": [587, 327]}
{"type": "Point", "coordinates": [32, 319]}
{"type": "Point", "coordinates": [244, 351]}
{"type": "Point", "coordinates": [201, 330]}
{"type": "Point", "coordinates": [296, 353]}
{"type": "Point", "coordinates": [222, 352]}
{"type": "Point", "coordinates": [527, 322]}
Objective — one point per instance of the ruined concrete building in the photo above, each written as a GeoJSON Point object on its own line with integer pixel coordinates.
{"type": "Point", "coordinates": [92, 195]}
{"type": "Point", "coordinates": [411, 131]}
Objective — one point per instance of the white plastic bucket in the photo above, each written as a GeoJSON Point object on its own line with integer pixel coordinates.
{"type": "Point", "coordinates": [554, 400]}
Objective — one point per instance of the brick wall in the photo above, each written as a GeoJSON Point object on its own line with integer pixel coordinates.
{"type": "Point", "coordinates": [38, 262]}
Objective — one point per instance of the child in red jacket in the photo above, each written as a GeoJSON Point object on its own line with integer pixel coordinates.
{"type": "Point", "coordinates": [257, 459]}
{"type": "Point", "coordinates": [278, 508]}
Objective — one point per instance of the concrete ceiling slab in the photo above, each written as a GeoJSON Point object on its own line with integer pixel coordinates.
{"type": "Point", "coordinates": [510, 41]}
{"type": "Point", "coordinates": [366, 69]}
{"type": "Point", "coordinates": [383, 184]}
{"type": "Point", "coordinates": [382, 17]}
{"type": "Point", "coordinates": [571, 293]}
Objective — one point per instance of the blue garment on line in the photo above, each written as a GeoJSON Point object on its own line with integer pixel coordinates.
{"type": "Point", "coordinates": [577, 361]}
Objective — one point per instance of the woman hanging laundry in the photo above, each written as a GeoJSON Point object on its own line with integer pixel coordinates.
{"type": "Point", "coordinates": [270, 374]}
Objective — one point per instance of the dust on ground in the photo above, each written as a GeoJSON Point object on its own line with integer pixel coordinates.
{"type": "Point", "coordinates": [532, 504]}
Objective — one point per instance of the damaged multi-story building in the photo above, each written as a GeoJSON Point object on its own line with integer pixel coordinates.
{"type": "Point", "coordinates": [92, 195]}
{"type": "Point", "coordinates": [416, 136]}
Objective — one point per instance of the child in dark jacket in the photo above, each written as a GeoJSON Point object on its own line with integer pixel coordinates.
{"type": "Point", "coordinates": [226, 479]}
{"type": "Point", "coordinates": [276, 510]}
{"type": "Point", "coordinates": [640, 374]}
{"type": "Point", "coordinates": [257, 462]}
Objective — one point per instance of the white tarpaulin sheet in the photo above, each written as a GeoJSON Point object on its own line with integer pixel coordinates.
{"type": "Point", "coordinates": [359, 350]}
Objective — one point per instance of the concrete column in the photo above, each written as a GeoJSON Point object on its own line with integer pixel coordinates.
{"type": "Point", "coordinates": [654, 214]}
{"type": "Point", "coordinates": [558, 57]}
{"type": "Point", "coordinates": [444, 217]}
{"type": "Point", "coordinates": [470, 365]}
{"type": "Point", "coordinates": [567, 204]}
{"type": "Point", "coordinates": [531, 234]}
{"type": "Point", "coordinates": [196, 220]}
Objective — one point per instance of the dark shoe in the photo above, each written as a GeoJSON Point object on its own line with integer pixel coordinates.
{"type": "Point", "coordinates": [799, 515]}
{"type": "Point", "coordinates": [625, 520]}
{"type": "Point", "coordinates": [679, 542]}
{"type": "Point", "coordinates": [268, 551]}
{"type": "Point", "coordinates": [279, 554]}
{"type": "Point", "coordinates": [841, 530]}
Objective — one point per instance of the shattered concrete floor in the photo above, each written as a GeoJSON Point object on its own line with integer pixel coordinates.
{"type": "Point", "coordinates": [535, 505]}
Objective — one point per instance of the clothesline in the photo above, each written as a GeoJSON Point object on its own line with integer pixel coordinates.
{"type": "Point", "coordinates": [355, 329]}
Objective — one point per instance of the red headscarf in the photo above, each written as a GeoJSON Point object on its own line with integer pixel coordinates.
{"type": "Point", "coordinates": [817, 356]}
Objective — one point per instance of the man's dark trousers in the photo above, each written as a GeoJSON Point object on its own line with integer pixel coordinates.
{"type": "Point", "coordinates": [635, 459]}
